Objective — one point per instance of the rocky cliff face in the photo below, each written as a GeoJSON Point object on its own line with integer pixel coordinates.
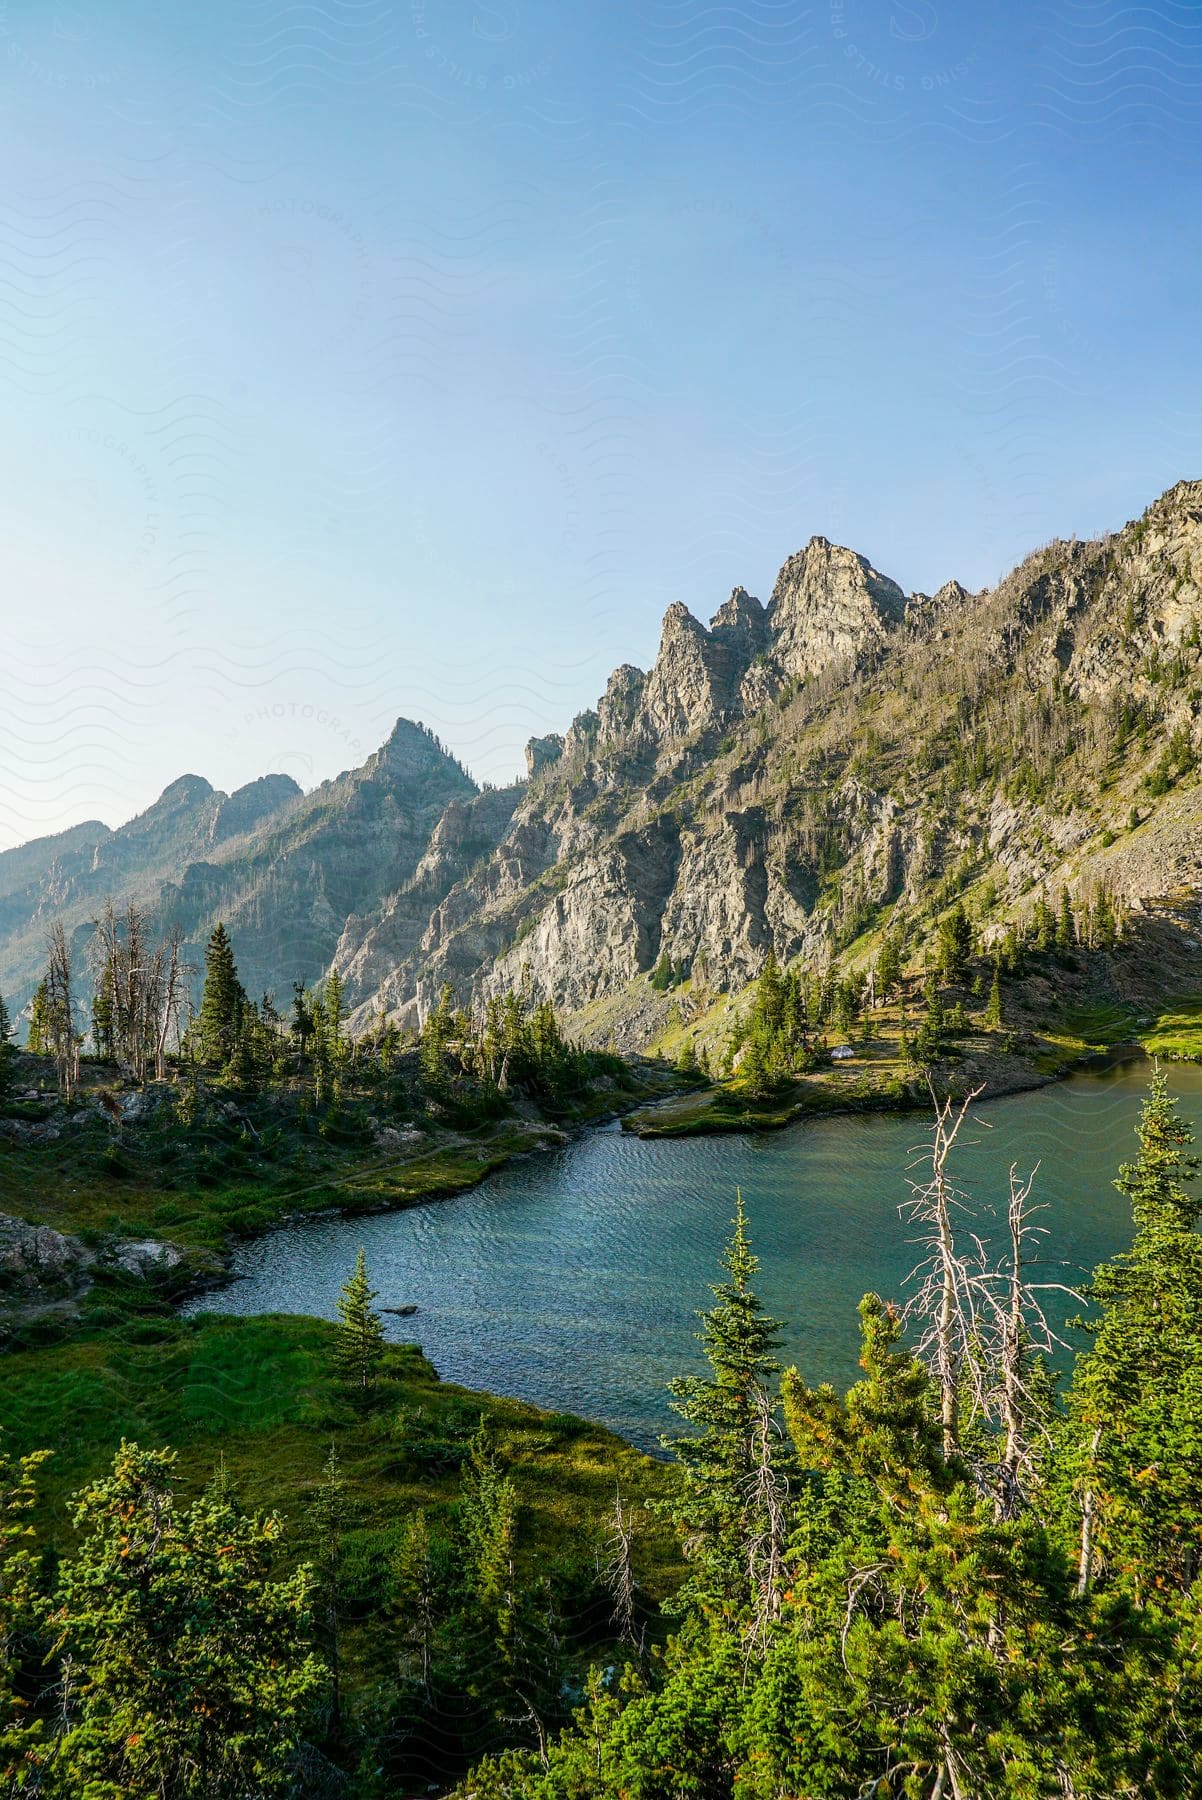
{"type": "Point", "coordinates": [792, 773]}
{"type": "Point", "coordinates": [830, 605]}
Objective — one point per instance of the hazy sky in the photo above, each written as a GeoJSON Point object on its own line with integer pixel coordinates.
{"type": "Point", "coordinates": [362, 358]}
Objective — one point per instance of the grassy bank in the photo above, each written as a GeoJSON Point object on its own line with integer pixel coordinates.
{"type": "Point", "coordinates": [260, 1394]}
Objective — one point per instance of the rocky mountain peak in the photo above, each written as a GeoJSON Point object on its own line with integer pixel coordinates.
{"type": "Point", "coordinates": [694, 683]}
{"type": "Point", "coordinates": [251, 804]}
{"type": "Point", "coordinates": [829, 605]}
{"type": "Point", "coordinates": [619, 704]}
{"type": "Point", "coordinates": [185, 790]}
{"type": "Point", "coordinates": [741, 621]}
{"type": "Point", "coordinates": [410, 752]}
{"type": "Point", "coordinates": [1183, 498]}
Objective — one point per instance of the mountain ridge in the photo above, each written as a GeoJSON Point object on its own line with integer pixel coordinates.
{"type": "Point", "coordinates": [843, 754]}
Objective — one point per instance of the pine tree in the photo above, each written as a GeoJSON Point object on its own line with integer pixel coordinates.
{"type": "Point", "coordinates": [487, 1519]}
{"type": "Point", "coordinates": [332, 1009]}
{"type": "Point", "coordinates": [1066, 925]}
{"type": "Point", "coordinates": [302, 1016]}
{"type": "Point", "coordinates": [413, 1592]}
{"type": "Point", "coordinates": [770, 994]}
{"type": "Point", "coordinates": [361, 1335]}
{"type": "Point", "coordinates": [725, 1409]}
{"type": "Point", "coordinates": [888, 967]}
{"type": "Point", "coordinates": [436, 1031]}
{"type": "Point", "coordinates": [1105, 926]}
{"type": "Point", "coordinates": [198, 1675]}
{"type": "Point", "coordinates": [1137, 1394]}
{"type": "Point", "coordinates": [993, 1011]}
{"type": "Point", "coordinates": [955, 943]}
{"type": "Point", "coordinates": [20, 1603]}
{"type": "Point", "coordinates": [1011, 954]}
{"type": "Point", "coordinates": [327, 1527]}
{"type": "Point", "coordinates": [222, 1001]}
{"type": "Point", "coordinates": [102, 1021]}
{"type": "Point", "coordinates": [245, 1067]}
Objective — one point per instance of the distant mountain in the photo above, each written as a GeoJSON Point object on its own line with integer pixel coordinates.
{"type": "Point", "coordinates": [285, 870]}
{"type": "Point", "coordinates": [790, 777]}
{"type": "Point", "coordinates": [26, 864]}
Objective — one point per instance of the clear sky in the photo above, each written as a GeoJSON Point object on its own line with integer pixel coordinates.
{"type": "Point", "coordinates": [361, 358]}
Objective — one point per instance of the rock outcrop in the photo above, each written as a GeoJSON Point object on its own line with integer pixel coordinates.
{"type": "Point", "coordinates": [830, 606]}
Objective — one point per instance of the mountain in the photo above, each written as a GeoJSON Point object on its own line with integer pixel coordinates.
{"type": "Point", "coordinates": [793, 775]}
{"type": "Point", "coordinates": [790, 776]}
{"type": "Point", "coordinates": [285, 870]}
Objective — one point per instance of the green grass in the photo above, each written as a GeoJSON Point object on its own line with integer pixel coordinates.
{"type": "Point", "coordinates": [260, 1392]}
{"type": "Point", "coordinates": [208, 1195]}
{"type": "Point", "coordinates": [1177, 1034]}
{"type": "Point", "coordinates": [1099, 1024]}
{"type": "Point", "coordinates": [727, 1107]}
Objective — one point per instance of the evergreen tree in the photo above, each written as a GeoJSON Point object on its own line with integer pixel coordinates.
{"type": "Point", "coordinates": [102, 1020]}
{"type": "Point", "coordinates": [955, 943]}
{"type": "Point", "coordinates": [361, 1335]}
{"type": "Point", "coordinates": [1011, 955]}
{"type": "Point", "coordinates": [487, 1521]}
{"type": "Point", "coordinates": [332, 1010]}
{"type": "Point", "coordinates": [302, 1016]}
{"type": "Point", "coordinates": [770, 994]}
{"type": "Point", "coordinates": [487, 1528]}
{"type": "Point", "coordinates": [245, 1066]}
{"type": "Point", "coordinates": [717, 1510]}
{"type": "Point", "coordinates": [888, 967]}
{"type": "Point", "coordinates": [21, 1738]}
{"type": "Point", "coordinates": [413, 1591]}
{"type": "Point", "coordinates": [993, 1011]}
{"type": "Point", "coordinates": [1066, 925]}
{"type": "Point", "coordinates": [38, 1040]}
{"type": "Point", "coordinates": [222, 1002]}
{"type": "Point", "coordinates": [198, 1676]}
{"type": "Point", "coordinates": [1137, 1395]}
{"type": "Point", "coordinates": [436, 1031]}
{"type": "Point", "coordinates": [327, 1528]}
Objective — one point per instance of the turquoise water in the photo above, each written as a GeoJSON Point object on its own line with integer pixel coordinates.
{"type": "Point", "coordinates": [572, 1278]}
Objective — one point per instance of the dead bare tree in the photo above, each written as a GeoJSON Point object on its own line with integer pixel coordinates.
{"type": "Point", "coordinates": [144, 987]}
{"type": "Point", "coordinates": [173, 985]}
{"type": "Point", "coordinates": [1018, 1331]}
{"type": "Point", "coordinates": [768, 1496]}
{"type": "Point", "coordinates": [983, 1322]}
{"type": "Point", "coordinates": [947, 1303]}
{"type": "Point", "coordinates": [1088, 1515]}
{"type": "Point", "coordinates": [60, 1011]}
{"type": "Point", "coordinates": [618, 1573]}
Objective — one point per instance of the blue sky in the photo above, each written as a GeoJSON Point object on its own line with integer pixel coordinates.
{"type": "Point", "coordinates": [362, 358]}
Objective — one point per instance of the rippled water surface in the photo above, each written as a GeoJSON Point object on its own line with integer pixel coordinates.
{"type": "Point", "coordinates": [572, 1278]}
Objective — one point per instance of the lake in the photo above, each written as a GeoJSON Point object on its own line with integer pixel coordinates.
{"type": "Point", "coordinates": [573, 1277]}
